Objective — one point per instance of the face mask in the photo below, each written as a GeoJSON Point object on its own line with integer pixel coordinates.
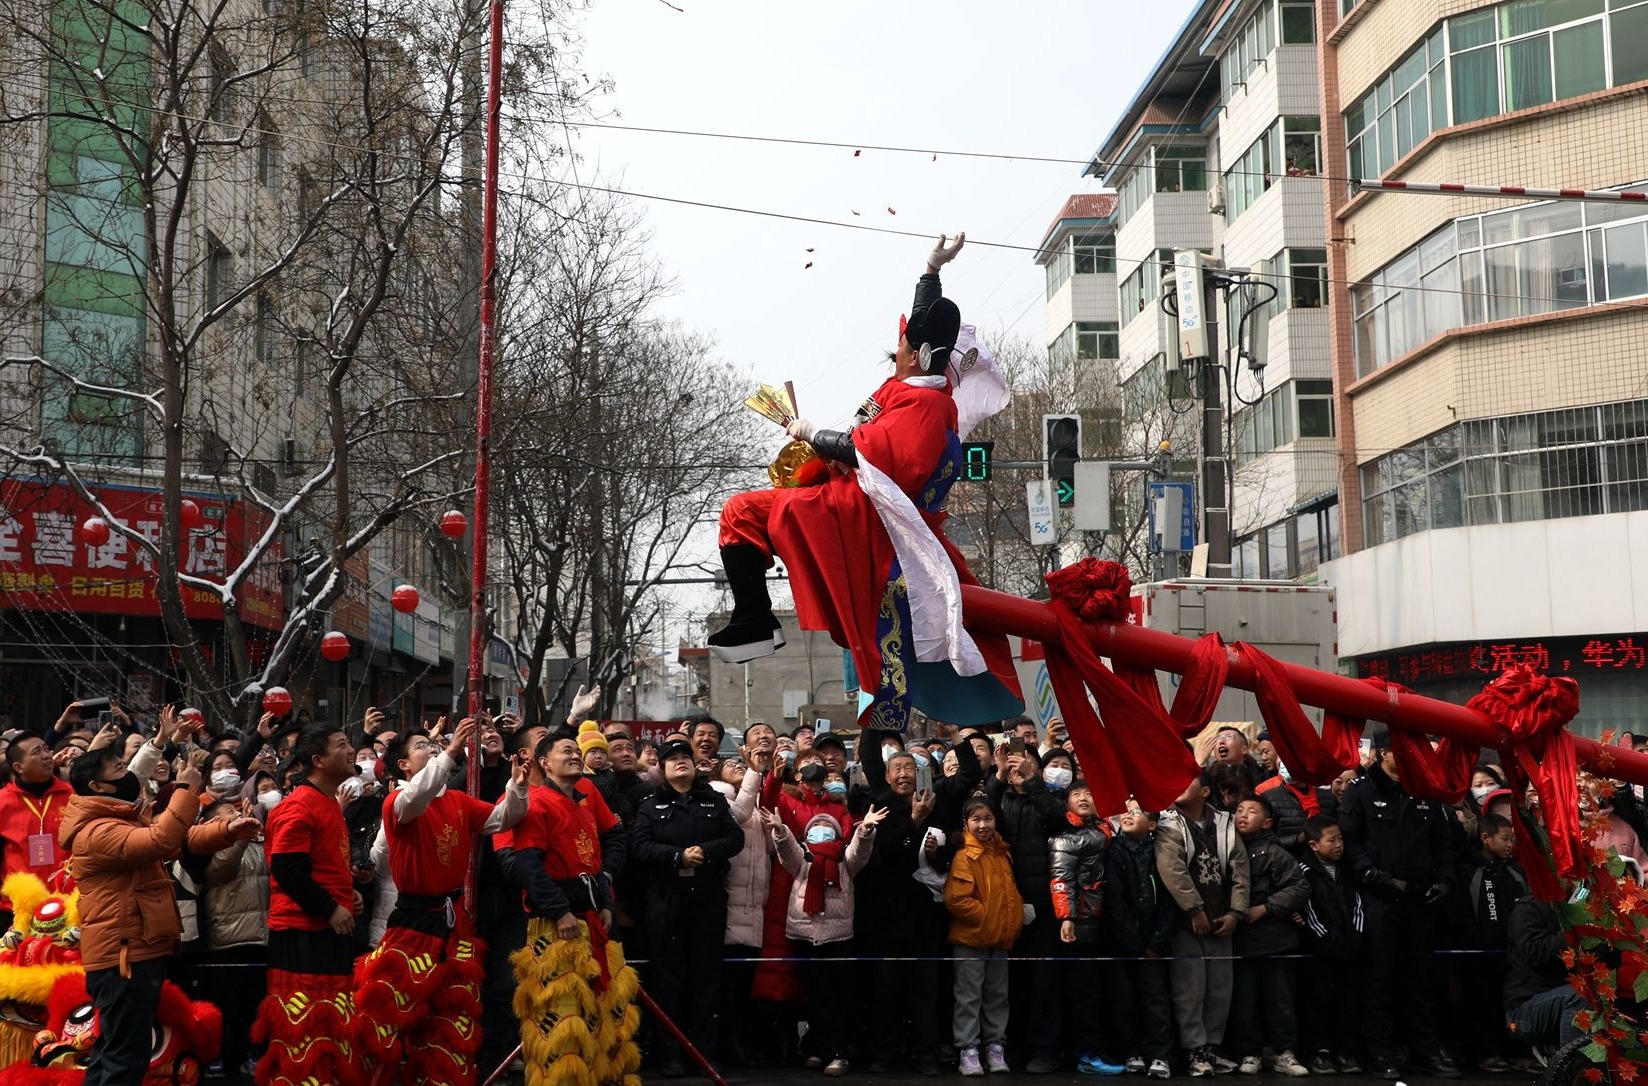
{"type": "Point", "coordinates": [838, 789]}
{"type": "Point", "coordinates": [1482, 791]}
{"type": "Point", "coordinates": [127, 788]}
{"type": "Point", "coordinates": [368, 769]}
{"type": "Point", "coordinates": [786, 756]}
{"type": "Point", "coordinates": [820, 835]}
{"type": "Point", "coordinates": [1283, 771]}
{"type": "Point", "coordinates": [225, 780]}
{"type": "Point", "coordinates": [1057, 776]}
{"type": "Point", "coordinates": [268, 800]}
{"type": "Point", "coordinates": [887, 752]}
{"type": "Point", "coordinates": [922, 760]}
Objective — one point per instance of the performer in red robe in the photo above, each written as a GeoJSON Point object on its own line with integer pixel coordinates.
{"type": "Point", "coordinates": [865, 550]}
{"type": "Point", "coordinates": [419, 990]}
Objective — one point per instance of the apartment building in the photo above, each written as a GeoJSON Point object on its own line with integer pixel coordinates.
{"type": "Point", "coordinates": [1490, 356]}
{"type": "Point", "coordinates": [1220, 151]}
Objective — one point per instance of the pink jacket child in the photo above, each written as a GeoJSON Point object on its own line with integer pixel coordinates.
{"type": "Point", "coordinates": [821, 901]}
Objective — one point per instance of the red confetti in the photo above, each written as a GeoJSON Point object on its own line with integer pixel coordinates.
{"type": "Point", "coordinates": [808, 265]}
{"type": "Point", "coordinates": [890, 211]}
{"type": "Point", "coordinates": [857, 153]}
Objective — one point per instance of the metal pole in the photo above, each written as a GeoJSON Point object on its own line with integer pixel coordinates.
{"type": "Point", "coordinates": [1509, 192]}
{"type": "Point", "coordinates": [997, 612]}
{"type": "Point", "coordinates": [483, 418]}
{"type": "Point", "coordinates": [1215, 461]}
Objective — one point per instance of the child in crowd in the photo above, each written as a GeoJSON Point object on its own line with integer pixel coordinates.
{"type": "Point", "coordinates": [1332, 932]}
{"type": "Point", "coordinates": [1203, 865]}
{"type": "Point", "coordinates": [1491, 882]}
{"type": "Point", "coordinates": [1076, 858]}
{"type": "Point", "coordinates": [1137, 927]}
{"type": "Point", "coordinates": [1264, 942]}
{"type": "Point", "coordinates": [986, 915]}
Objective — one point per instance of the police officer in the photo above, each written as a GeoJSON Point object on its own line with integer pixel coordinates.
{"type": "Point", "coordinates": [1400, 849]}
{"type": "Point", "coordinates": [685, 834]}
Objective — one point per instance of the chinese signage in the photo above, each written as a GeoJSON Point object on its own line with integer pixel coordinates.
{"type": "Point", "coordinates": [1572, 656]}
{"type": "Point", "coordinates": [45, 565]}
{"type": "Point", "coordinates": [351, 614]}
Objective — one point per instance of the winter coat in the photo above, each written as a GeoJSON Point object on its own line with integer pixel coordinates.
{"type": "Point", "coordinates": [801, 808]}
{"type": "Point", "coordinates": [1534, 956]}
{"type": "Point", "coordinates": [1290, 804]}
{"type": "Point", "coordinates": [1138, 910]}
{"type": "Point", "coordinates": [1274, 881]}
{"type": "Point", "coordinates": [1391, 836]}
{"type": "Point", "coordinates": [986, 910]}
{"type": "Point", "coordinates": [1076, 867]}
{"type": "Point", "coordinates": [835, 923]}
{"type": "Point", "coordinates": [127, 910]}
{"type": "Point", "coordinates": [21, 817]}
{"type": "Point", "coordinates": [1027, 820]}
{"type": "Point", "coordinates": [669, 822]}
{"type": "Point", "coordinates": [1481, 910]}
{"type": "Point", "coordinates": [237, 897]}
{"type": "Point", "coordinates": [1333, 912]}
{"type": "Point", "coordinates": [750, 877]}
{"type": "Point", "coordinates": [1176, 852]}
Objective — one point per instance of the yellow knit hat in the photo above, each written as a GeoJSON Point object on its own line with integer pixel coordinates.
{"type": "Point", "coordinates": [590, 737]}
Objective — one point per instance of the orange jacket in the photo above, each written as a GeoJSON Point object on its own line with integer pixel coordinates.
{"type": "Point", "coordinates": [985, 907]}
{"type": "Point", "coordinates": [127, 909]}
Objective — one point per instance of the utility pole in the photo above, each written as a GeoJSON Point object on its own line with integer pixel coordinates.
{"type": "Point", "coordinates": [1194, 303]}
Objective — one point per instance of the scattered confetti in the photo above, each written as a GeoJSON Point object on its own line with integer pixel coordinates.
{"type": "Point", "coordinates": [858, 152]}
{"type": "Point", "coordinates": [935, 156]}
{"type": "Point", "coordinates": [890, 211]}
{"type": "Point", "coordinates": [809, 248]}
{"type": "Point", "coordinates": [855, 213]}
{"type": "Point", "coordinates": [808, 265]}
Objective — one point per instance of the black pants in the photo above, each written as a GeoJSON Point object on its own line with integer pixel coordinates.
{"type": "Point", "coordinates": [685, 926]}
{"type": "Point", "coordinates": [1085, 989]}
{"type": "Point", "coordinates": [1141, 1009]}
{"type": "Point", "coordinates": [907, 991]}
{"type": "Point", "coordinates": [500, 1029]}
{"type": "Point", "coordinates": [1333, 1005]}
{"type": "Point", "coordinates": [1263, 1007]}
{"type": "Point", "coordinates": [125, 1011]}
{"type": "Point", "coordinates": [1034, 987]}
{"type": "Point", "coordinates": [236, 980]}
{"type": "Point", "coordinates": [828, 980]}
{"type": "Point", "coordinates": [1400, 979]}
{"type": "Point", "coordinates": [738, 1026]}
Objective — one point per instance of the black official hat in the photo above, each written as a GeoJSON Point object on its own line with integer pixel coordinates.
{"type": "Point", "coordinates": [674, 748]}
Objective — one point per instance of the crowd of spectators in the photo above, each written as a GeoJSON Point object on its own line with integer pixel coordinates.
{"type": "Point", "coordinates": [967, 880]}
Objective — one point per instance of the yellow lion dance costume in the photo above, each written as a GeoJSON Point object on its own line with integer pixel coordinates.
{"type": "Point", "coordinates": [38, 950]}
{"type": "Point", "coordinates": [578, 1021]}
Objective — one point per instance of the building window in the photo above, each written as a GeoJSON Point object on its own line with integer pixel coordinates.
{"type": "Point", "coordinates": [1315, 408]}
{"type": "Point", "coordinates": [268, 154]}
{"type": "Point", "coordinates": [1095, 254]}
{"type": "Point", "coordinates": [219, 272]}
{"type": "Point", "coordinates": [1265, 426]}
{"type": "Point", "coordinates": [1255, 41]}
{"type": "Point", "coordinates": [1302, 146]}
{"type": "Point", "coordinates": [1571, 462]}
{"type": "Point", "coordinates": [1097, 339]}
{"type": "Point", "coordinates": [1142, 287]}
{"type": "Point", "coordinates": [1307, 277]}
{"type": "Point", "coordinates": [1298, 18]}
{"type": "Point", "coordinates": [1291, 145]}
{"type": "Point", "coordinates": [263, 331]}
{"type": "Point", "coordinates": [1181, 169]}
{"type": "Point", "coordinates": [1244, 558]}
{"type": "Point", "coordinates": [1402, 109]}
{"type": "Point", "coordinates": [1058, 271]}
{"type": "Point", "coordinates": [1277, 566]}
{"type": "Point", "coordinates": [1156, 385]}
{"type": "Point", "coordinates": [1518, 262]}
{"type": "Point", "coordinates": [220, 90]}
{"type": "Point", "coordinates": [1134, 190]}
{"type": "Point", "coordinates": [1248, 178]}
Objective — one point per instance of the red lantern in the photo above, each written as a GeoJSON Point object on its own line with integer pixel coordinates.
{"type": "Point", "coordinates": [189, 515]}
{"type": "Point", "coordinates": [454, 524]}
{"type": "Point", "coordinates": [277, 700]}
{"type": "Point", "coordinates": [404, 599]}
{"type": "Point", "coordinates": [94, 530]}
{"type": "Point", "coordinates": [335, 646]}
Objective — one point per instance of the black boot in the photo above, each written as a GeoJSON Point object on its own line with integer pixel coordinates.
{"type": "Point", "coordinates": [753, 630]}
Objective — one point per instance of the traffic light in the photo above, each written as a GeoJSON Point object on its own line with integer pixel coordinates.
{"type": "Point", "coordinates": [1061, 449]}
{"type": "Point", "coordinates": [975, 460]}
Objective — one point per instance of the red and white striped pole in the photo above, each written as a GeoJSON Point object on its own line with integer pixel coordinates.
{"type": "Point", "coordinates": [1521, 192]}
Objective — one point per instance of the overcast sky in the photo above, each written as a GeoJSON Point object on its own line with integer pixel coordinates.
{"type": "Point", "coordinates": [1044, 78]}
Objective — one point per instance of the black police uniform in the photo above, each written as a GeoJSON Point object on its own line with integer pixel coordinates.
{"type": "Point", "coordinates": [686, 906]}
{"type": "Point", "coordinates": [1399, 849]}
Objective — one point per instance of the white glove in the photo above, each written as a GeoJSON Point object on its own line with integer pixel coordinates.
{"type": "Point", "coordinates": [583, 704]}
{"type": "Point", "coordinates": [801, 430]}
{"type": "Point", "coordinates": [941, 255]}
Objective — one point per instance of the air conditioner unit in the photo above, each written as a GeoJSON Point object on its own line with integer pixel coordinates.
{"type": "Point", "coordinates": [1216, 197]}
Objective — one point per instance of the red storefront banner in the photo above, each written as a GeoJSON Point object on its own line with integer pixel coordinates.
{"type": "Point", "coordinates": [47, 565]}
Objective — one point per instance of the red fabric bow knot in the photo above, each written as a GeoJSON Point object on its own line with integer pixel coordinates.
{"type": "Point", "coordinates": [1094, 590]}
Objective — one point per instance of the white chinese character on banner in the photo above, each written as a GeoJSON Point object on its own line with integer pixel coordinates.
{"type": "Point", "coordinates": [111, 555]}
{"type": "Point", "coordinates": [11, 538]}
{"type": "Point", "coordinates": [150, 530]}
{"type": "Point", "coordinates": [53, 539]}
{"type": "Point", "coordinates": [208, 551]}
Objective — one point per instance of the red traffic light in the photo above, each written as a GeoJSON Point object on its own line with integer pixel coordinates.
{"type": "Point", "coordinates": [454, 524]}
{"type": "Point", "coordinates": [277, 700]}
{"type": "Point", "coordinates": [404, 599]}
{"type": "Point", "coordinates": [335, 646]}
{"type": "Point", "coordinates": [94, 530]}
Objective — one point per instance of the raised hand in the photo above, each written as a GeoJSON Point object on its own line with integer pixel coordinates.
{"type": "Point", "coordinates": [873, 817]}
{"type": "Point", "coordinates": [189, 777]}
{"type": "Point", "coordinates": [943, 254]}
{"type": "Point", "coordinates": [583, 704]}
{"type": "Point", "coordinates": [461, 736]}
{"type": "Point", "coordinates": [374, 721]}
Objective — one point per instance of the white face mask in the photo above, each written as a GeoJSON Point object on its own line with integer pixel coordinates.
{"type": "Point", "coordinates": [225, 780]}
{"type": "Point", "coordinates": [1057, 776]}
{"type": "Point", "coordinates": [1482, 791]}
{"type": "Point", "coordinates": [820, 834]}
{"type": "Point", "coordinates": [368, 769]}
{"type": "Point", "coordinates": [268, 800]}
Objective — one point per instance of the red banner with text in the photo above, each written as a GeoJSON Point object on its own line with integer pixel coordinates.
{"type": "Point", "coordinates": [46, 563]}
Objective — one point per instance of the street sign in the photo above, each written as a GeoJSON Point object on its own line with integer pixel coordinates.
{"type": "Point", "coordinates": [1039, 497]}
{"type": "Point", "coordinates": [1158, 494]}
{"type": "Point", "coordinates": [1092, 508]}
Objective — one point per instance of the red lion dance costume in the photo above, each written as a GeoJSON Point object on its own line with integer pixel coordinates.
{"type": "Point", "coordinates": [863, 541]}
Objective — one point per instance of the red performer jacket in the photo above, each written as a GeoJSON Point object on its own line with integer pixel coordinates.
{"type": "Point", "coordinates": [308, 847]}
{"type": "Point", "coordinates": [842, 565]}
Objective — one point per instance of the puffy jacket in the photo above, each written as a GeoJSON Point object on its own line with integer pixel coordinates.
{"type": "Point", "coordinates": [835, 923]}
{"type": "Point", "coordinates": [982, 896]}
{"type": "Point", "coordinates": [1027, 819]}
{"type": "Point", "coordinates": [1291, 805]}
{"type": "Point", "coordinates": [1076, 866]}
{"type": "Point", "coordinates": [1274, 881]}
{"type": "Point", "coordinates": [802, 807]}
{"type": "Point", "coordinates": [1333, 914]}
{"type": "Point", "coordinates": [119, 856]}
{"type": "Point", "coordinates": [1138, 910]}
{"type": "Point", "coordinates": [237, 897]}
{"type": "Point", "coordinates": [750, 877]}
{"type": "Point", "coordinates": [1391, 836]}
{"type": "Point", "coordinates": [1534, 955]}
{"type": "Point", "coordinates": [1176, 851]}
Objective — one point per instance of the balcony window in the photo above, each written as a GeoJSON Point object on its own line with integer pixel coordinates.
{"type": "Point", "coordinates": [1095, 254]}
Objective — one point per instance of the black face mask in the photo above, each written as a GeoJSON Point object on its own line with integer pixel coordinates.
{"type": "Point", "coordinates": [127, 788]}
